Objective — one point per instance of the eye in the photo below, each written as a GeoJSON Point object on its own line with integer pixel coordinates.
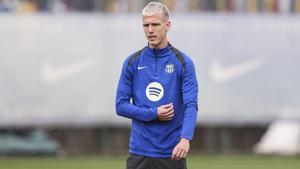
{"type": "Point", "coordinates": [145, 25]}
{"type": "Point", "coordinates": [155, 24]}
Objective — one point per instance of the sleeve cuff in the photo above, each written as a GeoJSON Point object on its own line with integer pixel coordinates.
{"type": "Point", "coordinates": [153, 113]}
{"type": "Point", "coordinates": [186, 137]}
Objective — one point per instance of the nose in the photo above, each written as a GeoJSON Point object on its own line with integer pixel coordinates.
{"type": "Point", "coordinates": [150, 29]}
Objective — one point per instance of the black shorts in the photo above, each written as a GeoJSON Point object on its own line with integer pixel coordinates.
{"type": "Point", "coordinates": [142, 162]}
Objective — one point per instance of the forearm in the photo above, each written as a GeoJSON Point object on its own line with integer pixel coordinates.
{"type": "Point", "coordinates": [190, 99]}
{"type": "Point", "coordinates": [128, 110]}
{"type": "Point", "coordinates": [189, 123]}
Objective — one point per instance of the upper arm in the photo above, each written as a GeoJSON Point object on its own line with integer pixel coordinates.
{"type": "Point", "coordinates": [189, 83]}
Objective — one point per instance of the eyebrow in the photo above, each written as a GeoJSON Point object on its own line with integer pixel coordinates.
{"type": "Point", "coordinates": [153, 24]}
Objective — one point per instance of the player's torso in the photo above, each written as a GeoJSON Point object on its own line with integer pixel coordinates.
{"type": "Point", "coordinates": [157, 80]}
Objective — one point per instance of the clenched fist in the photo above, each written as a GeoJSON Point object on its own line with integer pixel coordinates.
{"type": "Point", "coordinates": [165, 112]}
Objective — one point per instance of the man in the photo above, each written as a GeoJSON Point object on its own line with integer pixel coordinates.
{"type": "Point", "coordinates": [158, 90]}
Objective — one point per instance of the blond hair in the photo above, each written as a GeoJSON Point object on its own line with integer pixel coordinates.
{"type": "Point", "coordinates": [153, 8]}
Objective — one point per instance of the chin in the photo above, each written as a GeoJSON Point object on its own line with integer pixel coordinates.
{"type": "Point", "coordinates": [153, 44]}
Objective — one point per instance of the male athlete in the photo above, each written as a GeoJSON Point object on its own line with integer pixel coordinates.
{"type": "Point", "coordinates": [158, 90]}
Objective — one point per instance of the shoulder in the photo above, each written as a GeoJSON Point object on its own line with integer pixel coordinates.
{"type": "Point", "coordinates": [186, 57]}
{"type": "Point", "coordinates": [132, 57]}
{"type": "Point", "coordinates": [189, 67]}
{"type": "Point", "coordinates": [182, 56]}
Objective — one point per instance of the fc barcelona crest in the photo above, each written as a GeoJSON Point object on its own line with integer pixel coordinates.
{"type": "Point", "coordinates": [170, 68]}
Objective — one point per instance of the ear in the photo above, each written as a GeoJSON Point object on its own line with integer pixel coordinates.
{"type": "Point", "coordinates": [168, 25]}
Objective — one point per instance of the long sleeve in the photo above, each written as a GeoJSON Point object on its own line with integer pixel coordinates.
{"type": "Point", "coordinates": [124, 93]}
{"type": "Point", "coordinates": [190, 100]}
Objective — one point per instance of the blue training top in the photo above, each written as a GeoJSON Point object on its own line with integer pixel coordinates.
{"type": "Point", "coordinates": [156, 77]}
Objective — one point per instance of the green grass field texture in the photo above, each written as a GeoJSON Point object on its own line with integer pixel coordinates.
{"type": "Point", "coordinates": [118, 162]}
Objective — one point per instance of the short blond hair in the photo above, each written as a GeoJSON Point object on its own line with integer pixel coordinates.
{"type": "Point", "coordinates": [153, 8]}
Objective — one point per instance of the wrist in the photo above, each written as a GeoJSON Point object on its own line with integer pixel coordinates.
{"type": "Point", "coordinates": [154, 113]}
{"type": "Point", "coordinates": [184, 140]}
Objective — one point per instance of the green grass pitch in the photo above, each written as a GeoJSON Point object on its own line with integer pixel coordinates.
{"type": "Point", "coordinates": [118, 162]}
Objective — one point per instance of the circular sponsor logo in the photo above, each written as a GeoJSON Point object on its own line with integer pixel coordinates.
{"type": "Point", "coordinates": [154, 91]}
{"type": "Point", "coordinates": [169, 68]}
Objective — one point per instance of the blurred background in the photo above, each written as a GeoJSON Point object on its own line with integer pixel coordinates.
{"type": "Point", "coordinates": [60, 61]}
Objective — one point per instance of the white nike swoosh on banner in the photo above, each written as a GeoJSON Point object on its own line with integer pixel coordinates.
{"type": "Point", "coordinates": [50, 74]}
{"type": "Point", "coordinates": [142, 67]}
{"type": "Point", "coordinates": [220, 74]}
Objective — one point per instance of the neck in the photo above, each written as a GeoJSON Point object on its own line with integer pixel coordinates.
{"type": "Point", "coordinates": [161, 45]}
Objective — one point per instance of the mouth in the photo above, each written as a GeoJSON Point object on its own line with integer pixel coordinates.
{"type": "Point", "coordinates": [151, 37]}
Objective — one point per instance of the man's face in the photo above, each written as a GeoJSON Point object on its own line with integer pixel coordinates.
{"type": "Point", "coordinates": [155, 28]}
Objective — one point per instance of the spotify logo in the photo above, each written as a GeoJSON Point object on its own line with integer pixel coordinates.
{"type": "Point", "coordinates": [154, 91]}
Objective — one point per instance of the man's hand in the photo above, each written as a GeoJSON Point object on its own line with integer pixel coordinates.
{"type": "Point", "coordinates": [181, 149]}
{"type": "Point", "coordinates": [165, 112]}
